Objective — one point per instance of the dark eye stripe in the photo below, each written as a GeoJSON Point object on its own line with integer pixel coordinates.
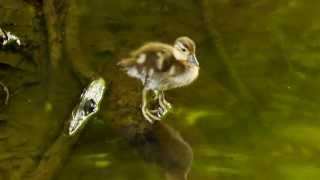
{"type": "Point", "coordinates": [188, 46]}
{"type": "Point", "coordinates": [182, 46]}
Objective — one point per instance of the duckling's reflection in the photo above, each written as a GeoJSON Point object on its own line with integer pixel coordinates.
{"type": "Point", "coordinates": [163, 145]}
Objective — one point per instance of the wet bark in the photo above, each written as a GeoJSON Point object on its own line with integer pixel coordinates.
{"type": "Point", "coordinates": [72, 44]}
{"type": "Point", "coordinates": [54, 158]}
{"type": "Point", "coordinates": [57, 153]}
{"type": "Point", "coordinates": [53, 33]}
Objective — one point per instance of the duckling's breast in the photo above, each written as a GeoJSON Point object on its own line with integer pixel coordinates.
{"type": "Point", "coordinates": [166, 82]}
{"type": "Point", "coordinates": [187, 77]}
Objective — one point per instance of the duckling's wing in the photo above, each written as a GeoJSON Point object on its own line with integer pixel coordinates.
{"type": "Point", "coordinates": [152, 47]}
{"type": "Point", "coordinates": [146, 55]}
{"type": "Point", "coordinates": [125, 63]}
{"type": "Point", "coordinates": [150, 56]}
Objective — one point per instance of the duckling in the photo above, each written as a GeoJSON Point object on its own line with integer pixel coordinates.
{"type": "Point", "coordinates": [161, 67]}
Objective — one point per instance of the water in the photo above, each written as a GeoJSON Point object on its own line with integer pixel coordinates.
{"type": "Point", "coordinates": [252, 113]}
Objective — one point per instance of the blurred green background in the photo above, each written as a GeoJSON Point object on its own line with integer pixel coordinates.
{"type": "Point", "coordinates": [253, 113]}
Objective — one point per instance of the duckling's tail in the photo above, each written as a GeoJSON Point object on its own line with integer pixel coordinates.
{"type": "Point", "coordinates": [125, 63]}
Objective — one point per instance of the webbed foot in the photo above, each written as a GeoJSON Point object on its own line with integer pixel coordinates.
{"type": "Point", "coordinates": [150, 116]}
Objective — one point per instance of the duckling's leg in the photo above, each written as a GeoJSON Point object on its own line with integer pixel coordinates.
{"type": "Point", "coordinates": [144, 105]}
{"type": "Point", "coordinates": [161, 110]}
{"type": "Point", "coordinates": [156, 95]}
{"type": "Point", "coordinates": [165, 103]}
{"type": "Point", "coordinates": [149, 116]}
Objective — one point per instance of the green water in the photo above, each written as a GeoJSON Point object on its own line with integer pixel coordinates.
{"type": "Point", "coordinates": [252, 113]}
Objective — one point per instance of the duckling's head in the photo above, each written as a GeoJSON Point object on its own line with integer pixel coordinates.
{"type": "Point", "coordinates": [185, 50]}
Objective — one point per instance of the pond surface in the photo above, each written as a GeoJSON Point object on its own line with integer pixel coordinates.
{"type": "Point", "coordinates": [253, 113]}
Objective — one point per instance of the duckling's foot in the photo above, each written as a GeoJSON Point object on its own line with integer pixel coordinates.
{"type": "Point", "coordinates": [160, 112]}
{"type": "Point", "coordinates": [164, 103]}
{"type": "Point", "coordinates": [154, 117]}
{"type": "Point", "coordinates": [167, 104]}
{"type": "Point", "coordinates": [149, 116]}
{"type": "Point", "coordinates": [145, 115]}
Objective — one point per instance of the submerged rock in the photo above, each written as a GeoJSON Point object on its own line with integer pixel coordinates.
{"type": "Point", "coordinates": [8, 39]}
{"type": "Point", "coordinates": [88, 106]}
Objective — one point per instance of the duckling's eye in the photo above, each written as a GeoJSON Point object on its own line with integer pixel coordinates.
{"type": "Point", "coordinates": [183, 50]}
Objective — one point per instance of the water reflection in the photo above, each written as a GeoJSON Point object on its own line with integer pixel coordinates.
{"type": "Point", "coordinates": [163, 145]}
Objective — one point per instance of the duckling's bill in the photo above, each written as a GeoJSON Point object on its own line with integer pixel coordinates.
{"type": "Point", "coordinates": [193, 59]}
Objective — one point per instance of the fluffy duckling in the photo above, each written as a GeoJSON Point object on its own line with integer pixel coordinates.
{"type": "Point", "coordinates": [161, 67]}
